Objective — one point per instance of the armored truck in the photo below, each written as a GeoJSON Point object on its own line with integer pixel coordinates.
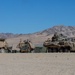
{"type": "Point", "coordinates": [59, 43]}
{"type": "Point", "coordinates": [26, 46]}
{"type": "Point", "coordinates": [4, 48]}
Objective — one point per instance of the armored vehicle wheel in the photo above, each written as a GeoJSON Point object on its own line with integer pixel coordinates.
{"type": "Point", "coordinates": [60, 50]}
{"type": "Point", "coordinates": [13, 51]}
{"type": "Point", "coordinates": [54, 50]}
{"type": "Point", "coordinates": [49, 50]}
{"type": "Point", "coordinates": [9, 51]}
{"type": "Point", "coordinates": [22, 51]}
{"type": "Point", "coordinates": [66, 50]}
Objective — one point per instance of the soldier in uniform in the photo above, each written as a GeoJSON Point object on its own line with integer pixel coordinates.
{"type": "Point", "coordinates": [55, 37]}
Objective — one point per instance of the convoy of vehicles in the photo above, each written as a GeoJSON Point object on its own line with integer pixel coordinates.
{"type": "Point", "coordinates": [58, 43]}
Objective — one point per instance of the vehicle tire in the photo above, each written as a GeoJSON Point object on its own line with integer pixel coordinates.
{"type": "Point", "coordinates": [49, 50]}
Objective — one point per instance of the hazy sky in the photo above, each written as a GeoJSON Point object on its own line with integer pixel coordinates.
{"type": "Point", "coordinates": [28, 16]}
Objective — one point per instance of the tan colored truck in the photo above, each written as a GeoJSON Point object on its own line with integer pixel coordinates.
{"type": "Point", "coordinates": [4, 46]}
{"type": "Point", "coordinates": [25, 46]}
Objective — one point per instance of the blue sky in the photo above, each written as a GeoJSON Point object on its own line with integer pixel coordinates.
{"type": "Point", "coordinates": [28, 16]}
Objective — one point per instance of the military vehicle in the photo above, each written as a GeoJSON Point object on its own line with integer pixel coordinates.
{"type": "Point", "coordinates": [58, 43]}
{"type": "Point", "coordinates": [26, 46]}
{"type": "Point", "coordinates": [4, 48]}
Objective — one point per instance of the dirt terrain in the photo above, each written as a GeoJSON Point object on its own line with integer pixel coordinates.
{"type": "Point", "coordinates": [37, 64]}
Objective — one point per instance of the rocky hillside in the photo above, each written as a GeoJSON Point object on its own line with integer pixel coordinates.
{"type": "Point", "coordinates": [66, 30]}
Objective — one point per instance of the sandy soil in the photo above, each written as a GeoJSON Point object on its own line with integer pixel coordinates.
{"type": "Point", "coordinates": [37, 64]}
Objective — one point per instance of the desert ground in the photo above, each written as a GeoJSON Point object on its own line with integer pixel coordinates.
{"type": "Point", "coordinates": [37, 64]}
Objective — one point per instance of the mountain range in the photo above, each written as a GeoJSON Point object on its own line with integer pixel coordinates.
{"type": "Point", "coordinates": [66, 30]}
